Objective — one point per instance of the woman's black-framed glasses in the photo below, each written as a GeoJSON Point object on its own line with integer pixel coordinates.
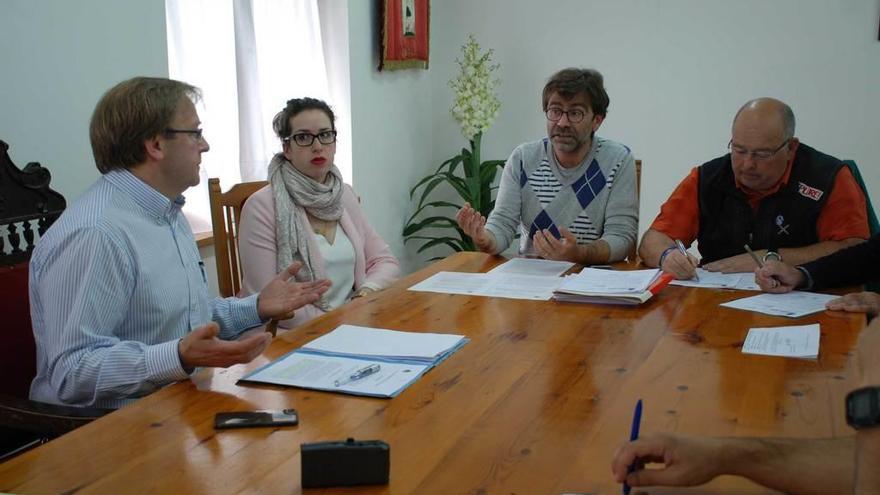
{"type": "Point", "coordinates": [196, 133]}
{"type": "Point", "coordinates": [307, 138]}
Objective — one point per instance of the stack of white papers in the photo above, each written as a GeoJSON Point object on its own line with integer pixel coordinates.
{"type": "Point", "coordinates": [797, 341]}
{"type": "Point", "coordinates": [532, 266]}
{"type": "Point", "coordinates": [507, 285]}
{"type": "Point", "coordinates": [386, 345]}
{"type": "Point", "coordinates": [599, 286]}
{"type": "Point", "coordinates": [718, 280]}
{"type": "Point", "coordinates": [792, 305]}
{"type": "Point", "coordinates": [329, 362]}
{"type": "Point", "coordinates": [598, 281]}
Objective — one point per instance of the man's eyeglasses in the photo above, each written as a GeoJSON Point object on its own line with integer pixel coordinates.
{"type": "Point", "coordinates": [307, 138]}
{"type": "Point", "coordinates": [756, 154]}
{"type": "Point", "coordinates": [575, 115]}
{"type": "Point", "coordinates": [196, 133]}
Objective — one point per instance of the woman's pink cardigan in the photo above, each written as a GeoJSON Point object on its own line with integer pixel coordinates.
{"type": "Point", "coordinates": [374, 264]}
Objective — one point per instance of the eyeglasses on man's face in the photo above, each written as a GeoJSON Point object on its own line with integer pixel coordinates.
{"type": "Point", "coordinates": [575, 115]}
{"type": "Point", "coordinates": [307, 138]}
{"type": "Point", "coordinates": [758, 155]}
{"type": "Point", "coordinates": [195, 133]}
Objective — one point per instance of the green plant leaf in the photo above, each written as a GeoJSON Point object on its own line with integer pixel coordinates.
{"type": "Point", "coordinates": [435, 181]}
{"type": "Point", "coordinates": [459, 246]}
{"type": "Point", "coordinates": [460, 187]}
{"type": "Point", "coordinates": [449, 241]}
{"type": "Point", "coordinates": [435, 204]}
{"type": "Point", "coordinates": [430, 222]}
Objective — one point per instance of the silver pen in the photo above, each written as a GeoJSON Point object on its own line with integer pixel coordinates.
{"type": "Point", "coordinates": [685, 253]}
{"type": "Point", "coordinates": [357, 375]}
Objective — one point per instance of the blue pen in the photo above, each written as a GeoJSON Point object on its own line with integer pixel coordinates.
{"type": "Point", "coordinates": [633, 436]}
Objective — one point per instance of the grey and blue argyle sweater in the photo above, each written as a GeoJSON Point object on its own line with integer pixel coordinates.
{"type": "Point", "coordinates": [595, 200]}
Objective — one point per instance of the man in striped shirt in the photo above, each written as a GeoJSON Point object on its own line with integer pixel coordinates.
{"type": "Point", "coordinates": [119, 300]}
{"type": "Point", "coordinates": [571, 195]}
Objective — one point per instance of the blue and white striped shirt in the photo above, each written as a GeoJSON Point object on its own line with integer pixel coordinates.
{"type": "Point", "coordinates": [114, 284]}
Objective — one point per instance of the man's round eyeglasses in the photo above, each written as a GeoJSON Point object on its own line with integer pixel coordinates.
{"type": "Point", "coordinates": [307, 138]}
{"type": "Point", "coordinates": [756, 154]}
{"type": "Point", "coordinates": [196, 133]}
{"type": "Point", "coordinates": [575, 115]}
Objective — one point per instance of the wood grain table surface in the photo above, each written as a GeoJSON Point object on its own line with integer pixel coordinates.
{"type": "Point", "coordinates": [535, 403]}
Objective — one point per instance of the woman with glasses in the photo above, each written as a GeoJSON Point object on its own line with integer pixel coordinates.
{"type": "Point", "coordinates": [308, 214]}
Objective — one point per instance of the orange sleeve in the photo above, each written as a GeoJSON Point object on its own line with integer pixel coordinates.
{"type": "Point", "coordinates": [845, 214]}
{"type": "Point", "coordinates": [679, 216]}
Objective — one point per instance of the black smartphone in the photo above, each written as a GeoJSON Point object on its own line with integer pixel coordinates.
{"type": "Point", "coordinates": [250, 419]}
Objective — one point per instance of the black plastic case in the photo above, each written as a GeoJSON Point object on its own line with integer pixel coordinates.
{"type": "Point", "coordinates": [348, 463]}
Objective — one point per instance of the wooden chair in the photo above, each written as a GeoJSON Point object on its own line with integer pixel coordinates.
{"type": "Point", "coordinates": [27, 208]}
{"type": "Point", "coordinates": [633, 252]}
{"type": "Point", "coordinates": [225, 214]}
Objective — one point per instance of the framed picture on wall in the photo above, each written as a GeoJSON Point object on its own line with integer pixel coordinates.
{"type": "Point", "coordinates": [405, 34]}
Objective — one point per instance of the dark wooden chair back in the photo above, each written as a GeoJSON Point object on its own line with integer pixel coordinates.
{"type": "Point", "coordinates": [225, 214]}
{"type": "Point", "coordinates": [27, 208]}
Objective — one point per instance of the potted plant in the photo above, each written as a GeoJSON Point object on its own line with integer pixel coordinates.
{"type": "Point", "coordinates": [475, 107]}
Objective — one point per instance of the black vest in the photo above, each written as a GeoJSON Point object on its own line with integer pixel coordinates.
{"type": "Point", "coordinates": [787, 218]}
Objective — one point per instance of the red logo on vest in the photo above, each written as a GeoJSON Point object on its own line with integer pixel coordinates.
{"type": "Point", "coordinates": [810, 192]}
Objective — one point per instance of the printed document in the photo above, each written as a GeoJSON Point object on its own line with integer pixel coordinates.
{"type": "Point", "coordinates": [364, 342]}
{"type": "Point", "coordinates": [393, 359]}
{"type": "Point", "coordinates": [800, 341]}
{"type": "Point", "coordinates": [595, 280]}
{"type": "Point", "coordinates": [320, 372]}
{"type": "Point", "coordinates": [718, 280]}
{"type": "Point", "coordinates": [507, 285]}
{"type": "Point", "coordinates": [792, 305]}
{"type": "Point", "coordinates": [532, 266]}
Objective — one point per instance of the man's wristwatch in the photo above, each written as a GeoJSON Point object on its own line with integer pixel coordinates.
{"type": "Point", "coordinates": [863, 407]}
{"type": "Point", "coordinates": [772, 255]}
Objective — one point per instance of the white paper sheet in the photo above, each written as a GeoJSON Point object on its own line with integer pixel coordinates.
{"type": "Point", "coordinates": [532, 266]}
{"type": "Point", "coordinates": [718, 280]}
{"type": "Point", "coordinates": [359, 341]}
{"type": "Point", "coordinates": [319, 372]}
{"type": "Point", "coordinates": [593, 280]}
{"type": "Point", "coordinates": [506, 285]}
{"type": "Point", "coordinates": [792, 305]}
{"type": "Point", "coordinates": [800, 341]}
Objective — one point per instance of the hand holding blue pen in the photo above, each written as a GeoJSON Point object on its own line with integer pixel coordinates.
{"type": "Point", "coordinates": [633, 436]}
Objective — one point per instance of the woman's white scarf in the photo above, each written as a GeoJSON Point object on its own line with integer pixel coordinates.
{"type": "Point", "coordinates": [295, 195]}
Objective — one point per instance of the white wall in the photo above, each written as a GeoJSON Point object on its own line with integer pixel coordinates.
{"type": "Point", "coordinates": [391, 130]}
{"type": "Point", "coordinates": [676, 72]}
{"type": "Point", "coordinates": [58, 58]}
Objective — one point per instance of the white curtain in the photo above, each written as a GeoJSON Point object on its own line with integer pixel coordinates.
{"type": "Point", "coordinates": [249, 57]}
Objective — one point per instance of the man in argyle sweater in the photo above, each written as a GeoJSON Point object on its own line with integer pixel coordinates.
{"type": "Point", "coordinates": [571, 195]}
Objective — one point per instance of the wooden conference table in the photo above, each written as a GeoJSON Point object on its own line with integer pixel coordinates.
{"type": "Point", "coordinates": [536, 403]}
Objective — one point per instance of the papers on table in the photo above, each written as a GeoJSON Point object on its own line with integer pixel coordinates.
{"type": "Point", "coordinates": [532, 266]}
{"type": "Point", "coordinates": [386, 345]}
{"type": "Point", "coordinates": [792, 305]}
{"type": "Point", "coordinates": [507, 285]}
{"type": "Point", "coordinates": [319, 372]}
{"type": "Point", "coordinates": [611, 287]}
{"type": "Point", "coordinates": [800, 341]}
{"type": "Point", "coordinates": [595, 280]}
{"type": "Point", "coordinates": [402, 358]}
{"type": "Point", "coordinates": [718, 280]}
